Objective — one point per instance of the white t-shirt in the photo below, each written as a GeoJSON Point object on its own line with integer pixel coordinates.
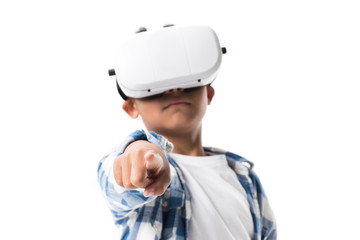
{"type": "Point", "coordinates": [219, 206]}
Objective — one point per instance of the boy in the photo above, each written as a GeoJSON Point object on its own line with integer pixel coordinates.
{"type": "Point", "coordinates": [163, 184]}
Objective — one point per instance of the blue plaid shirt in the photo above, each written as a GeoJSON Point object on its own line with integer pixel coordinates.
{"type": "Point", "coordinates": [168, 216]}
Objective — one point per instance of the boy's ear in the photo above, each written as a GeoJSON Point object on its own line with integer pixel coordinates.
{"type": "Point", "coordinates": [210, 93]}
{"type": "Point", "coordinates": [129, 107]}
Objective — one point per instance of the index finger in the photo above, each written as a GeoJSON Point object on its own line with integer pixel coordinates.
{"type": "Point", "coordinates": [153, 163]}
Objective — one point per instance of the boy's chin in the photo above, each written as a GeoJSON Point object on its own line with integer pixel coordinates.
{"type": "Point", "coordinates": [176, 129]}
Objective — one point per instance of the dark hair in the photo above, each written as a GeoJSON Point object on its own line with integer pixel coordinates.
{"type": "Point", "coordinates": [144, 29]}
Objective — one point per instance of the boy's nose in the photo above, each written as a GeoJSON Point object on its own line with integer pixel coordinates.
{"type": "Point", "coordinates": [174, 91]}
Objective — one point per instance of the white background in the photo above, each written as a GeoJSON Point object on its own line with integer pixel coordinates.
{"type": "Point", "coordinates": [287, 98]}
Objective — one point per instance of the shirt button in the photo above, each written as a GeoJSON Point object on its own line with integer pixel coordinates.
{"type": "Point", "coordinates": [165, 203]}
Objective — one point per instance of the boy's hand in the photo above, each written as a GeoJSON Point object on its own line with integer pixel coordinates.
{"type": "Point", "coordinates": [143, 165]}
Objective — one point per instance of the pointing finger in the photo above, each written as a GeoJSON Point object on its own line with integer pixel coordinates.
{"type": "Point", "coordinates": [153, 161]}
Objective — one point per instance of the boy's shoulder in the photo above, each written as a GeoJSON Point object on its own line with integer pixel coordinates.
{"type": "Point", "coordinates": [230, 156]}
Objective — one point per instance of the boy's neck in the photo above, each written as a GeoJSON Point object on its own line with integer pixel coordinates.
{"type": "Point", "coordinates": [188, 143]}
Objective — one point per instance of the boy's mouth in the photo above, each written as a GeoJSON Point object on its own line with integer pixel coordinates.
{"type": "Point", "coordinates": [176, 104]}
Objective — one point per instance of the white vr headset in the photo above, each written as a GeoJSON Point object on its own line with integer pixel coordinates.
{"type": "Point", "coordinates": [152, 62]}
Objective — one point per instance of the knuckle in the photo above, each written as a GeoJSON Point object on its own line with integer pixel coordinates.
{"type": "Point", "coordinates": [117, 161]}
{"type": "Point", "coordinates": [119, 181]}
{"type": "Point", "coordinates": [127, 184]}
{"type": "Point", "coordinates": [138, 152]}
{"type": "Point", "coordinates": [137, 180]}
{"type": "Point", "coordinates": [122, 159]}
{"type": "Point", "coordinates": [123, 156]}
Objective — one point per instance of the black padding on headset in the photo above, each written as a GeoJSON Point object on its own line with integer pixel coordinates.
{"type": "Point", "coordinates": [122, 94]}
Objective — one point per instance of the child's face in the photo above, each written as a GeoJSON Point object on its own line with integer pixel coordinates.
{"type": "Point", "coordinates": [176, 111]}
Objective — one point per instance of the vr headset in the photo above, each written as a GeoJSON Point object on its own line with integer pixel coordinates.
{"type": "Point", "coordinates": [153, 62]}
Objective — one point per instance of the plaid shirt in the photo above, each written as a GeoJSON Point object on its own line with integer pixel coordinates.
{"type": "Point", "coordinates": [168, 216]}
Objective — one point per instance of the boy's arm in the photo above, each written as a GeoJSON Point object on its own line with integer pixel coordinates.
{"type": "Point", "coordinates": [268, 230]}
